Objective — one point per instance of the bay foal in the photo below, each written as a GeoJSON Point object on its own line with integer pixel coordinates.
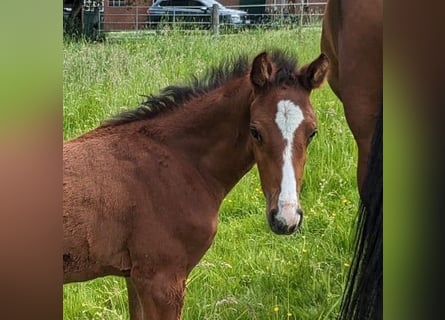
{"type": "Point", "coordinates": [142, 191]}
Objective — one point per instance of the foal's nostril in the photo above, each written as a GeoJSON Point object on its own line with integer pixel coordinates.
{"type": "Point", "coordinates": [292, 228]}
{"type": "Point", "coordinates": [300, 212]}
{"type": "Point", "coordinates": [273, 213]}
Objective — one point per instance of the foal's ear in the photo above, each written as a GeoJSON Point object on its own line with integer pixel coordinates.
{"type": "Point", "coordinates": [313, 74]}
{"type": "Point", "coordinates": [261, 70]}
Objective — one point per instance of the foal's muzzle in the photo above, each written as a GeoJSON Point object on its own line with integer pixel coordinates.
{"type": "Point", "coordinates": [280, 226]}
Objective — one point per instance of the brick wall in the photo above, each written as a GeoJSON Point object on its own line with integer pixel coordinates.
{"type": "Point", "coordinates": [125, 18]}
{"type": "Point", "coordinates": [230, 2]}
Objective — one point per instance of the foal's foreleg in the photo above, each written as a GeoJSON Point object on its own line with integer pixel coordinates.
{"type": "Point", "coordinates": [162, 296]}
{"type": "Point", "coordinates": [134, 303]}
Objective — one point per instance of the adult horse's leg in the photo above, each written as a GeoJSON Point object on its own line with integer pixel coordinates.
{"type": "Point", "coordinates": [134, 303]}
{"type": "Point", "coordinates": [363, 298]}
{"type": "Point", "coordinates": [352, 39]}
{"type": "Point", "coordinates": [363, 130]}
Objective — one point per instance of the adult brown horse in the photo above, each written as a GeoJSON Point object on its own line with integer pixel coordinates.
{"type": "Point", "coordinates": [142, 191]}
{"type": "Point", "coordinates": [352, 39]}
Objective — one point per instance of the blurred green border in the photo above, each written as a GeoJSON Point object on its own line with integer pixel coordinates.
{"type": "Point", "coordinates": [406, 217]}
{"type": "Point", "coordinates": [30, 62]}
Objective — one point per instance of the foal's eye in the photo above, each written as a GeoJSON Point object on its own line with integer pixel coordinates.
{"type": "Point", "coordinates": [255, 134]}
{"type": "Point", "coordinates": [312, 135]}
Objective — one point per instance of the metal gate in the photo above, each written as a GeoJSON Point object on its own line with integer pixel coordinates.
{"type": "Point", "coordinates": [93, 19]}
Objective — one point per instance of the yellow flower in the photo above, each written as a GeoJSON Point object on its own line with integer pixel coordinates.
{"type": "Point", "coordinates": [304, 250]}
{"type": "Point", "coordinates": [276, 309]}
{"type": "Point", "coordinates": [289, 314]}
{"type": "Point", "coordinates": [347, 265]}
{"type": "Point", "coordinates": [345, 201]}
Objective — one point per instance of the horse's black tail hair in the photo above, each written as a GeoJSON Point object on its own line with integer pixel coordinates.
{"type": "Point", "coordinates": [363, 296]}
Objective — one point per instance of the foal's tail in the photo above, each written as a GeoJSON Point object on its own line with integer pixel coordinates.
{"type": "Point", "coordinates": [363, 296]}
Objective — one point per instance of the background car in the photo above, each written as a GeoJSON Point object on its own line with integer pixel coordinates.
{"type": "Point", "coordinates": [193, 13]}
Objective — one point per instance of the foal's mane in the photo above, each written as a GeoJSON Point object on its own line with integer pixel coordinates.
{"type": "Point", "coordinates": [173, 97]}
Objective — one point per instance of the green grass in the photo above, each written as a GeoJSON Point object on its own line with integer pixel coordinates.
{"type": "Point", "coordinates": [249, 272]}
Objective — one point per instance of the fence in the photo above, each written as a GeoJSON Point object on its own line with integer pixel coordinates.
{"type": "Point", "coordinates": [295, 13]}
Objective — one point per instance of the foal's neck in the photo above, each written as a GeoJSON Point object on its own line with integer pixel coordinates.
{"type": "Point", "coordinates": [211, 131]}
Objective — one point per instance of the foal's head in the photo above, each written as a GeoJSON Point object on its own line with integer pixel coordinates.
{"type": "Point", "coordinates": [282, 123]}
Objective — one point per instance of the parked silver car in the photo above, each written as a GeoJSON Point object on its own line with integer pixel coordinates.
{"type": "Point", "coordinates": [193, 13]}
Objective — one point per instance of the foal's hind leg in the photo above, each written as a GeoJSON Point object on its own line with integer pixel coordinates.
{"type": "Point", "coordinates": [162, 295]}
{"type": "Point", "coordinates": [134, 303]}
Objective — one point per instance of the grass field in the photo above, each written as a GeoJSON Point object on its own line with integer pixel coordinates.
{"type": "Point", "coordinates": [249, 272]}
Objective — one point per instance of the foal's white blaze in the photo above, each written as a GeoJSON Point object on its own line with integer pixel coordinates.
{"type": "Point", "coordinates": [288, 119]}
